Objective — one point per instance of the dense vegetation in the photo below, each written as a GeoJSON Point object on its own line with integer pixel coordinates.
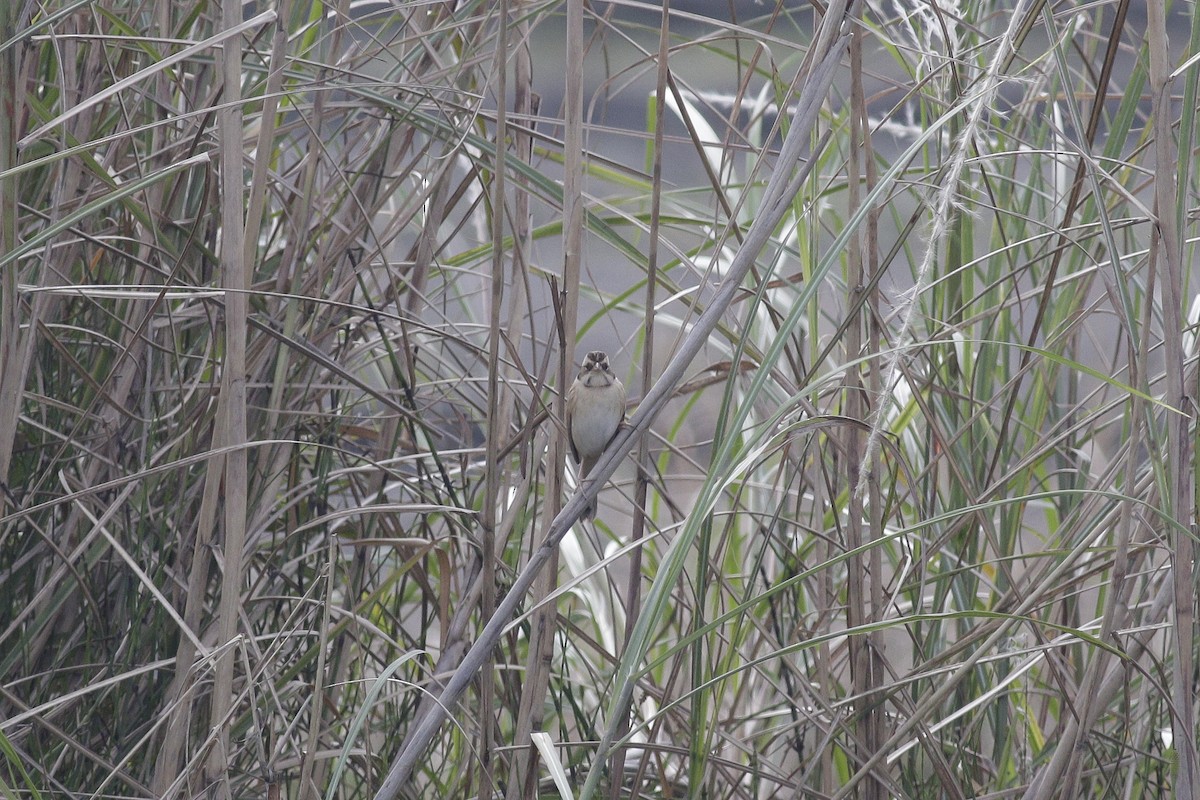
{"type": "Point", "coordinates": [288, 296]}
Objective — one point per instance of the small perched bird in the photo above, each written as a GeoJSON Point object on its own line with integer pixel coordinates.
{"type": "Point", "coordinates": [595, 408]}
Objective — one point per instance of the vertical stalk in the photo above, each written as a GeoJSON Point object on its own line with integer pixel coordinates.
{"type": "Point", "coordinates": [572, 183]}
{"type": "Point", "coordinates": [522, 779]}
{"type": "Point", "coordinates": [233, 389]}
{"type": "Point", "coordinates": [1180, 500]}
{"type": "Point", "coordinates": [644, 462]}
{"type": "Point", "coordinates": [541, 639]}
{"type": "Point", "coordinates": [494, 477]}
{"type": "Point", "coordinates": [11, 113]}
{"type": "Point", "coordinates": [860, 587]}
{"type": "Point", "coordinates": [875, 517]}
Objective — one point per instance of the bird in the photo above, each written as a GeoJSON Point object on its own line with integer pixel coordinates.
{"type": "Point", "coordinates": [595, 409]}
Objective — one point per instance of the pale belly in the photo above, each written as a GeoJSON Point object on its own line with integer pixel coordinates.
{"type": "Point", "coordinates": [590, 439]}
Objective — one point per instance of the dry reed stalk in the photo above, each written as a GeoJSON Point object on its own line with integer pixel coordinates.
{"type": "Point", "coordinates": [1180, 502]}
{"type": "Point", "coordinates": [645, 464]}
{"type": "Point", "coordinates": [234, 479]}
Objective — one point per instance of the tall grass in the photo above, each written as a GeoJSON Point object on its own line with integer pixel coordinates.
{"type": "Point", "coordinates": [290, 294]}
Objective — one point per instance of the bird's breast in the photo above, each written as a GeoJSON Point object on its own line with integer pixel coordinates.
{"type": "Point", "coordinates": [596, 419]}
